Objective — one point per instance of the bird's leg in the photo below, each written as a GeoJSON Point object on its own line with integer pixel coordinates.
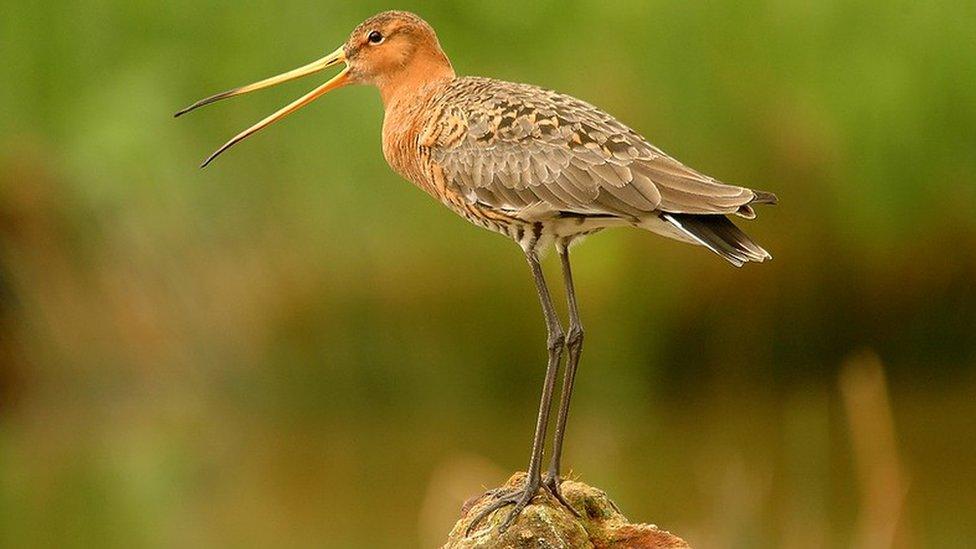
{"type": "Point", "coordinates": [574, 346]}
{"type": "Point", "coordinates": [521, 497]}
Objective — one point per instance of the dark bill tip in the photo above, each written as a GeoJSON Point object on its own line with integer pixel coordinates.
{"type": "Point", "coordinates": [205, 102]}
{"type": "Point", "coordinates": [209, 159]}
{"type": "Point", "coordinates": [226, 146]}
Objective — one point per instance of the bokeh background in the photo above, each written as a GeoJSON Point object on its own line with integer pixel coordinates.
{"type": "Point", "coordinates": [296, 348]}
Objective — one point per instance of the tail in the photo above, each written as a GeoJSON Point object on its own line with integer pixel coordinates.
{"type": "Point", "coordinates": [717, 233]}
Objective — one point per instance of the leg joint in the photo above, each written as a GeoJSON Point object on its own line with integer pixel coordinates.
{"type": "Point", "coordinates": [574, 340]}
{"type": "Point", "coordinates": [556, 340]}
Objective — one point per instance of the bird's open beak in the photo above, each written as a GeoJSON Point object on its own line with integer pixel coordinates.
{"type": "Point", "coordinates": [341, 79]}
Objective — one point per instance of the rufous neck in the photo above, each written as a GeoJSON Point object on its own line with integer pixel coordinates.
{"type": "Point", "coordinates": [422, 71]}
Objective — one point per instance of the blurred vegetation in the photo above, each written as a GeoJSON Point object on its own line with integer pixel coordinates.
{"type": "Point", "coordinates": [296, 348]}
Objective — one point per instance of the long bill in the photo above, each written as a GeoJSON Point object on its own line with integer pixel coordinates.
{"type": "Point", "coordinates": [340, 80]}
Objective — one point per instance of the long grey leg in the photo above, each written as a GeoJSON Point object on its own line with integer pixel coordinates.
{"type": "Point", "coordinates": [555, 342]}
{"type": "Point", "coordinates": [574, 344]}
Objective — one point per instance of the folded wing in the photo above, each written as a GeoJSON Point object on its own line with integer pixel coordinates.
{"type": "Point", "coordinates": [519, 148]}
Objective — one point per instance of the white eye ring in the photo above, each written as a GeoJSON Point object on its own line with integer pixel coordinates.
{"type": "Point", "coordinates": [375, 38]}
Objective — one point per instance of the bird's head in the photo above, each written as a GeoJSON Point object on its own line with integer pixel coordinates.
{"type": "Point", "coordinates": [394, 46]}
{"type": "Point", "coordinates": [395, 51]}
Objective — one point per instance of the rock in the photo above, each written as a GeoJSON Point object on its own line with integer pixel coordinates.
{"type": "Point", "coordinates": [547, 524]}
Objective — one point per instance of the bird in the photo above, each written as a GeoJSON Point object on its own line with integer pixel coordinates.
{"type": "Point", "coordinates": [540, 167]}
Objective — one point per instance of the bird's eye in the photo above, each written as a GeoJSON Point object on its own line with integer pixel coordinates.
{"type": "Point", "coordinates": [375, 37]}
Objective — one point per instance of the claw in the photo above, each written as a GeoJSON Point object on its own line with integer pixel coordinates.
{"type": "Point", "coordinates": [553, 485]}
{"type": "Point", "coordinates": [518, 497]}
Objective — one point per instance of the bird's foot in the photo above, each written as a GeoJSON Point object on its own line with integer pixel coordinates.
{"type": "Point", "coordinates": [503, 497]}
{"type": "Point", "coordinates": [553, 483]}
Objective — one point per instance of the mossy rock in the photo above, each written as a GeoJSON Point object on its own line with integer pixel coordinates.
{"type": "Point", "coordinates": [545, 524]}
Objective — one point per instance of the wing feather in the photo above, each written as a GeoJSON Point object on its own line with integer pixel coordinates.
{"type": "Point", "coordinates": [522, 146]}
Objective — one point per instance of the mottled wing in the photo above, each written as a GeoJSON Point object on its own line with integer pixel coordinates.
{"type": "Point", "coordinates": [534, 152]}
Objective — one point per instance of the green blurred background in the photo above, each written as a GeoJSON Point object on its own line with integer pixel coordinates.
{"type": "Point", "coordinates": [296, 348]}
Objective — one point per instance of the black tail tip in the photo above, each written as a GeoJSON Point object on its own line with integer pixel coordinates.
{"type": "Point", "coordinates": [763, 197]}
